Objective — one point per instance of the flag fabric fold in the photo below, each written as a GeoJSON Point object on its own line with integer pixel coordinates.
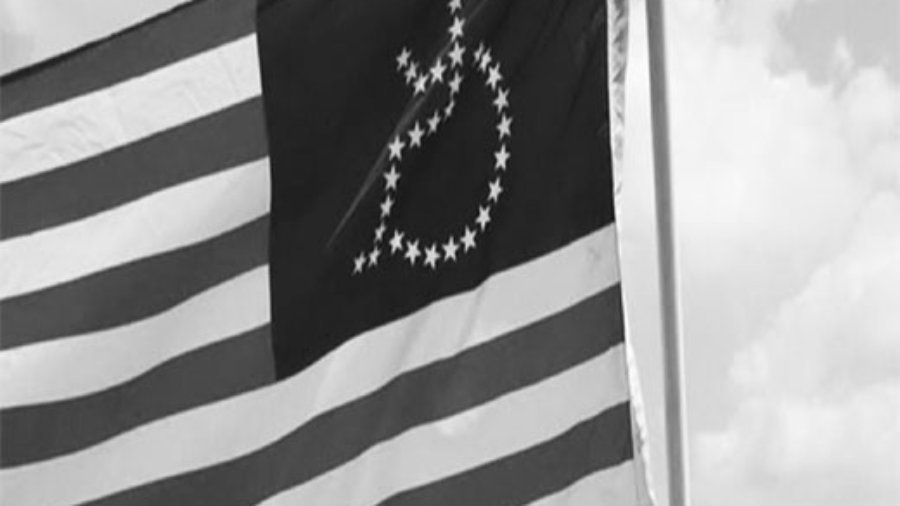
{"type": "Point", "coordinates": [316, 252]}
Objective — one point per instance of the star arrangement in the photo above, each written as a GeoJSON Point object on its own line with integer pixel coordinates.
{"type": "Point", "coordinates": [446, 70]}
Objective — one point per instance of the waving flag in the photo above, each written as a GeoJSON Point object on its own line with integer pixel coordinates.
{"type": "Point", "coordinates": [426, 311]}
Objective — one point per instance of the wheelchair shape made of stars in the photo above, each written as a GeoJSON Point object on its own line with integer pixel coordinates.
{"type": "Point", "coordinates": [394, 241]}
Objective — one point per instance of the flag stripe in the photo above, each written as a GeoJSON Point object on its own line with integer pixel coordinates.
{"type": "Point", "coordinates": [132, 291]}
{"type": "Point", "coordinates": [594, 444]}
{"type": "Point", "coordinates": [186, 30]}
{"type": "Point", "coordinates": [432, 452]}
{"type": "Point", "coordinates": [89, 125]}
{"type": "Point", "coordinates": [229, 138]}
{"type": "Point", "coordinates": [615, 486]}
{"type": "Point", "coordinates": [229, 429]}
{"type": "Point", "coordinates": [212, 373]}
{"type": "Point", "coordinates": [164, 221]}
{"type": "Point", "coordinates": [81, 365]}
{"type": "Point", "coordinates": [55, 370]}
{"type": "Point", "coordinates": [441, 389]}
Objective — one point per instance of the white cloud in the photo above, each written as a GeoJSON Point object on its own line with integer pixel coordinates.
{"type": "Point", "coordinates": [784, 181]}
{"type": "Point", "coordinates": [842, 332]}
{"type": "Point", "coordinates": [754, 23]}
{"type": "Point", "coordinates": [819, 423]}
{"type": "Point", "coordinates": [788, 213]}
{"type": "Point", "coordinates": [842, 59]}
{"type": "Point", "coordinates": [766, 180]}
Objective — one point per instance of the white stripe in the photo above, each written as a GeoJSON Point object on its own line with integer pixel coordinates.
{"type": "Point", "coordinates": [615, 486]}
{"type": "Point", "coordinates": [166, 220]}
{"type": "Point", "coordinates": [54, 34]}
{"type": "Point", "coordinates": [88, 363]}
{"type": "Point", "coordinates": [229, 429]}
{"type": "Point", "coordinates": [478, 436]}
{"type": "Point", "coordinates": [87, 125]}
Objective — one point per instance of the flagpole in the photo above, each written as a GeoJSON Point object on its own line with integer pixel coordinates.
{"type": "Point", "coordinates": [668, 275]}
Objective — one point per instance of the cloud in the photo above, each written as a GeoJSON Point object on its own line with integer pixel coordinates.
{"type": "Point", "coordinates": [789, 198]}
{"type": "Point", "coordinates": [841, 332]}
{"type": "Point", "coordinates": [788, 217]}
{"type": "Point", "coordinates": [767, 178]}
{"type": "Point", "coordinates": [842, 60]}
{"type": "Point", "coordinates": [754, 23]}
{"type": "Point", "coordinates": [819, 423]}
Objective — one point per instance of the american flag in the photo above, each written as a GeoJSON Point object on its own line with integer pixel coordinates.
{"type": "Point", "coordinates": [185, 322]}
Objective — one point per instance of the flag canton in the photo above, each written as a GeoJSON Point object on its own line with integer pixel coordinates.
{"type": "Point", "coordinates": [419, 147]}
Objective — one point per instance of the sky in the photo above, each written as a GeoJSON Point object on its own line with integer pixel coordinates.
{"type": "Point", "coordinates": [786, 164]}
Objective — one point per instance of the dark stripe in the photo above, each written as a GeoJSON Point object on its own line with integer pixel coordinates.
{"type": "Point", "coordinates": [184, 31]}
{"type": "Point", "coordinates": [132, 291]}
{"type": "Point", "coordinates": [205, 375]}
{"type": "Point", "coordinates": [209, 144]}
{"type": "Point", "coordinates": [443, 388]}
{"type": "Point", "coordinates": [595, 444]}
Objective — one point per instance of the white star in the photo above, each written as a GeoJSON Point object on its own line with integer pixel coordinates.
{"type": "Point", "coordinates": [478, 52]}
{"type": "Point", "coordinates": [504, 126]}
{"type": "Point", "coordinates": [485, 60]}
{"type": "Point", "coordinates": [411, 73]}
{"type": "Point", "coordinates": [437, 71]}
{"type": "Point", "coordinates": [433, 122]}
{"type": "Point", "coordinates": [456, 30]}
{"type": "Point", "coordinates": [373, 256]}
{"type": "Point", "coordinates": [484, 217]}
{"type": "Point", "coordinates": [455, 83]}
{"type": "Point", "coordinates": [468, 239]}
{"type": "Point", "coordinates": [390, 178]}
{"type": "Point", "coordinates": [421, 84]}
{"type": "Point", "coordinates": [386, 206]}
{"type": "Point", "coordinates": [448, 111]}
{"type": "Point", "coordinates": [412, 251]}
{"type": "Point", "coordinates": [358, 263]}
{"type": "Point", "coordinates": [415, 135]}
{"type": "Point", "coordinates": [396, 241]}
{"type": "Point", "coordinates": [432, 256]}
{"type": "Point", "coordinates": [396, 148]}
{"type": "Point", "coordinates": [501, 156]}
{"type": "Point", "coordinates": [494, 76]}
{"type": "Point", "coordinates": [456, 55]}
{"type": "Point", "coordinates": [455, 5]}
{"type": "Point", "coordinates": [450, 249]}
{"type": "Point", "coordinates": [501, 102]}
{"type": "Point", "coordinates": [379, 232]}
{"type": "Point", "coordinates": [495, 190]}
{"type": "Point", "coordinates": [403, 58]}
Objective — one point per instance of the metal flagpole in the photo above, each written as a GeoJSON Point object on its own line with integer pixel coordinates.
{"type": "Point", "coordinates": [668, 277]}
